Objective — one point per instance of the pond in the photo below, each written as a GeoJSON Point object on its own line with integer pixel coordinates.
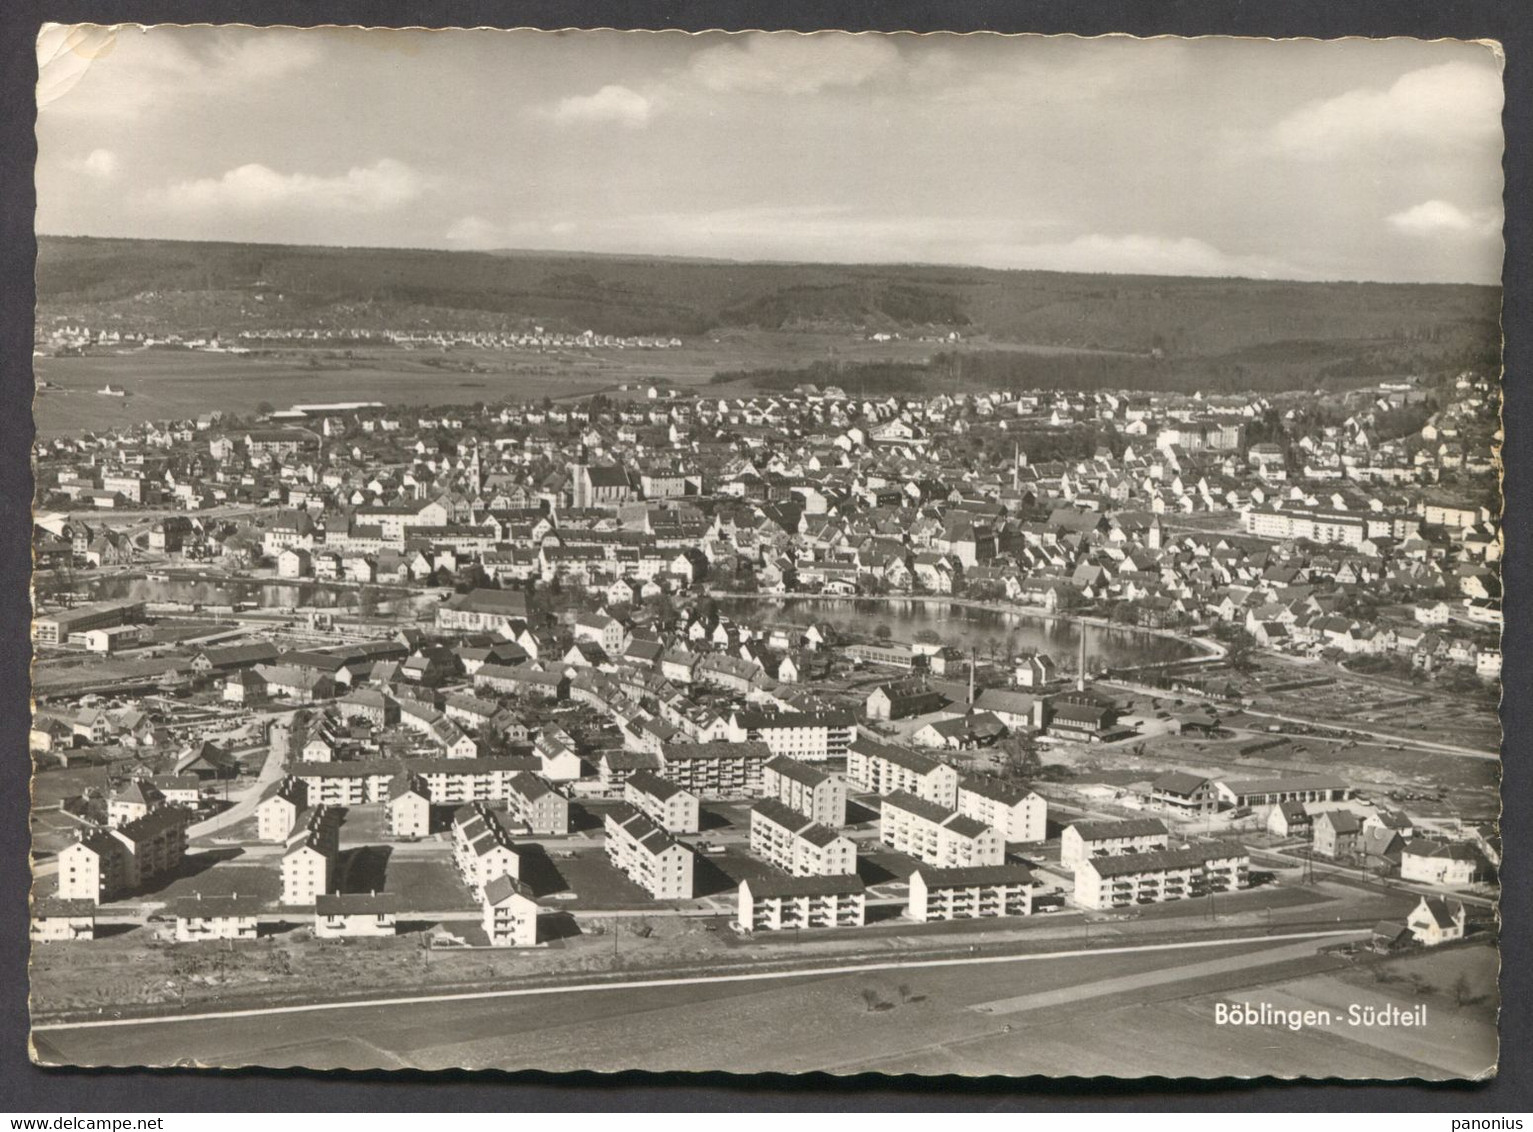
{"type": "Point", "coordinates": [989, 631]}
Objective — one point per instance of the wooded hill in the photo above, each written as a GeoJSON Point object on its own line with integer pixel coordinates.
{"type": "Point", "coordinates": [1225, 323]}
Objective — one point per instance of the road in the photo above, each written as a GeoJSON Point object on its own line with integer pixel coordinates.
{"type": "Point", "coordinates": [250, 798]}
{"type": "Point", "coordinates": [1394, 885]}
{"type": "Point", "coordinates": [784, 1021]}
{"type": "Point", "coordinates": [698, 980]}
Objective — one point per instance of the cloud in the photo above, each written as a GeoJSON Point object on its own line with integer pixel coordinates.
{"type": "Point", "coordinates": [475, 233]}
{"type": "Point", "coordinates": [1440, 217]}
{"type": "Point", "coordinates": [1137, 254]}
{"type": "Point", "coordinates": [791, 63]}
{"type": "Point", "coordinates": [610, 104]}
{"type": "Point", "coordinates": [124, 72]}
{"type": "Point", "coordinates": [98, 163]}
{"type": "Point", "coordinates": [387, 184]}
{"type": "Point", "coordinates": [1449, 104]}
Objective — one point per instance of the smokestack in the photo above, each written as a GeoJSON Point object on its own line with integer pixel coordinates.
{"type": "Point", "coordinates": [1080, 678]}
{"type": "Point", "coordinates": [971, 676]}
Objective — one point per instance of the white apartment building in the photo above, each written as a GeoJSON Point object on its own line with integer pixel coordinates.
{"type": "Point", "coordinates": [936, 835]}
{"type": "Point", "coordinates": [673, 809]}
{"type": "Point", "coordinates": [781, 903]}
{"type": "Point", "coordinates": [1129, 879]}
{"type": "Point", "coordinates": [1018, 813]}
{"type": "Point", "coordinates": [810, 737]}
{"type": "Point", "coordinates": [716, 770]}
{"type": "Point", "coordinates": [1085, 839]}
{"type": "Point", "coordinates": [881, 768]}
{"type": "Point", "coordinates": [798, 845]}
{"type": "Point", "coordinates": [648, 855]}
{"type": "Point", "coordinates": [977, 892]}
{"type": "Point", "coordinates": [481, 848]}
{"type": "Point", "coordinates": [815, 793]}
{"type": "Point", "coordinates": [510, 913]}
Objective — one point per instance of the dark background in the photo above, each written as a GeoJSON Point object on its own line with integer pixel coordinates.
{"type": "Point", "coordinates": [26, 1088]}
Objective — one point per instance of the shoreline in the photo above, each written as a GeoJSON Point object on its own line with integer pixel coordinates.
{"type": "Point", "coordinates": [1212, 650]}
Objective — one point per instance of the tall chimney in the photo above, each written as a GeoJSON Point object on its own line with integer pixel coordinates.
{"type": "Point", "coordinates": [1080, 677]}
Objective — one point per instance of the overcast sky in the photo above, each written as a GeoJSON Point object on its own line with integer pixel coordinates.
{"type": "Point", "coordinates": [1345, 160]}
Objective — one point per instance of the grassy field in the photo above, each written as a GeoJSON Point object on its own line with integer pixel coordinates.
{"type": "Point", "coordinates": [165, 385]}
{"type": "Point", "coordinates": [1133, 1014]}
{"type": "Point", "coordinates": [177, 384]}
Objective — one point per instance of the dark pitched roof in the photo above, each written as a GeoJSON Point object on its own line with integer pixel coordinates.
{"type": "Point", "coordinates": [1129, 827]}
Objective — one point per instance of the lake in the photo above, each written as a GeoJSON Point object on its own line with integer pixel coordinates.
{"type": "Point", "coordinates": [986, 630]}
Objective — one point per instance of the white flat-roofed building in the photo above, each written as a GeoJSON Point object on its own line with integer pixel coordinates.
{"type": "Point", "coordinates": [978, 892]}
{"type": "Point", "coordinates": [779, 903]}
{"type": "Point", "coordinates": [648, 855]}
{"type": "Point", "coordinates": [675, 810]}
{"type": "Point", "coordinates": [815, 793]}
{"type": "Point", "coordinates": [882, 768]}
{"type": "Point", "coordinates": [1018, 813]}
{"type": "Point", "coordinates": [936, 835]}
{"type": "Point", "coordinates": [797, 844]}
{"type": "Point", "coordinates": [1084, 839]}
{"type": "Point", "coordinates": [1129, 879]}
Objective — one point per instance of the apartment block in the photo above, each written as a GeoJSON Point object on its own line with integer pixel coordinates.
{"type": "Point", "coordinates": [782, 903]}
{"type": "Point", "coordinates": [882, 768]}
{"type": "Point", "coordinates": [673, 809]}
{"type": "Point", "coordinates": [978, 892]}
{"type": "Point", "coordinates": [648, 855]}
{"type": "Point", "coordinates": [936, 835]}
{"type": "Point", "coordinates": [798, 845]}
{"type": "Point", "coordinates": [716, 770]}
{"type": "Point", "coordinates": [1128, 879]}
{"type": "Point", "coordinates": [1083, 840]}
{"type": "Point", "coordinates": [1018, 813]}
{"type": "Point", "coordinates": [815, 793]}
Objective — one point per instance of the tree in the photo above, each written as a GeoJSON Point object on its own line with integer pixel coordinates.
{"type": "Point", "coordinates": [870, 999]}
{"type": "Point", "coordinates": [1240, 650]}
{"type": "Point", "coordinates": [1020, 754]}
{"type": "Point", "coordinates": [883, 632]}
{"type": "Point", "coordinates": [1463, 990]}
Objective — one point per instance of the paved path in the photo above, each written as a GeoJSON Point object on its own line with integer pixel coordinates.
{"type": "Point", "coordinates": [692, 980]}
{"type": "Point", "coordinates": [1143, 979]}
{"type": "Point", "coordinates": [271, 771]}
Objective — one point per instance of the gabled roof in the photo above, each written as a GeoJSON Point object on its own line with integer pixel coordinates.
{"type": "Point", "coordinates": [1109, 830]}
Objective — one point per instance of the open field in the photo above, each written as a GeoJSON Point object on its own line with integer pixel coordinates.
{"type": "Point", "coordinates": [923, 1020]}
{"type": "Point", "coordinates": [174, 385]}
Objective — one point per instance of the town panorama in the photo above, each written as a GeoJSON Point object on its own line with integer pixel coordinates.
{"type": "Point", "coordinates": [852, 554]}
{"type": "Point", "coordinates": [350, 700]}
